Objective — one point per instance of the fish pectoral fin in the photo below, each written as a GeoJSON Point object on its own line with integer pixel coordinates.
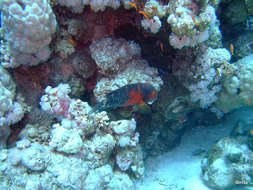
{"type": "Point", "coordinates": [126, 112]}
{"type": "Point", "coordinates": [143, 105]}
{"type": "Point", "coordinates": [142, 108]}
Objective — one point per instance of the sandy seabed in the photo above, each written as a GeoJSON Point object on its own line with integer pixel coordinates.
{"type": "Point", "coordinates": [179, 169]}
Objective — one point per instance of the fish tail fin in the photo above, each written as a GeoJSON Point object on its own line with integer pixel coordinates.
{"type": "Point", "coordinates": [101, 106]}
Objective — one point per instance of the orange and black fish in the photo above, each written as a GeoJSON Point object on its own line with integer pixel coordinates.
{"type": "Point", "coordinates": [129, 95]}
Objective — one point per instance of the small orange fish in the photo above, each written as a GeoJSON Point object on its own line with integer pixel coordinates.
{"type": "Point", "coordinates": [73, 42]}
{"type": "Point", "coordinates": [193, 18]}
{"type": "Point", "coordinates": [91, 7]}
{"type": "Point", "coordinates": [129, 95]}
{"type": "Point", "coordinates": [249, 102]}
{"type": "Point", "coordinates": [144, 14]}
{"type": "Point", "coordinates": [34, 85]}
{"type": "Point", "coordinates": [161, 47]}
{"type": "Point", "coordinates": [182, 121]}
{"type": "Point", "coordinates": [231, 48]}
{"type": "Point", "coordinates": [133, 5]}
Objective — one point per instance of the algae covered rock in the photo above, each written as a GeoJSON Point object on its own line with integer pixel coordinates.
{"type": "Point", "coordinates": [243, 132]}
{"type": "Point", "coordinates": [120, 181]}
{"type": "Point", "coordinates": [98, 150]}
{"type": "Point", "coordinates": [227, 163]}
{"type": "Point", "coordinates": [34, 158]}
{"type": "Point", "coordinates": [65, 140]}
{"type": "Point", "coordinates": [237, 91]}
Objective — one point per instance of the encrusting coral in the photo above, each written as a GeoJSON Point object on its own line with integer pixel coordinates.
{"type": "Point", "coordinates": [11, 111]}
{"type": "Point", "coordinates": [71, 137]}
{"type": "Point", "coordinates": [28, 29]}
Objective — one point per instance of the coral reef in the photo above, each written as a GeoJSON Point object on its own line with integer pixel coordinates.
{"type": "Point", "coordinates": [227, 164]}
{"type": "Point", "coordinates": [242, 133]}
{"type": "Point", "coordinates": [49, 170]}
{"type": "Point", "coordinates": [237, 86]}
{"type": "Point", "coordinates": [189, 22]}
{"type": "Point", "coordinates": [88, 138]}
{"type": "Point", "coordinates": [28, 29]}
{"type": "Point", "coordinates": [153, 8]}
{"type": "Point", "coordinates": [120, 181]}
{"type": "Point", "coordinates": [90, 48]}
{"type": "Point", "coordinates": [56, 100]}
{"type": "Point", "coordinates": [153, 25]}
{"type": "Point", "coordinates": [76, 27]}
{"type": "Point", "coordinates": [111, 56]}
{"type": "Point", "coordinates": [64, 47]}
{"type": "Point", "coordinates": [204, 91]}
{"type": "Point", "coordinates": [11, 111]}
{"type": "Point", "coordinates": [127, 67]}
{"type": "Point", "coordinates": [136, 71]}
{"type": "Point", "coordinates": [125, 132]}
{"type": "Point", "coordinates": [83, 65]}
{"type": "Point", "coordinates": [75, 5]}
{"type": "Point", "coordinates": [65, 140]}
{"type": "Point", "coordinates": [204, 75]}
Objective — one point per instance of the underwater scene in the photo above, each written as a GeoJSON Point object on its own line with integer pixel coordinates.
{"type": "Point", "coordinates": [126, 95]}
